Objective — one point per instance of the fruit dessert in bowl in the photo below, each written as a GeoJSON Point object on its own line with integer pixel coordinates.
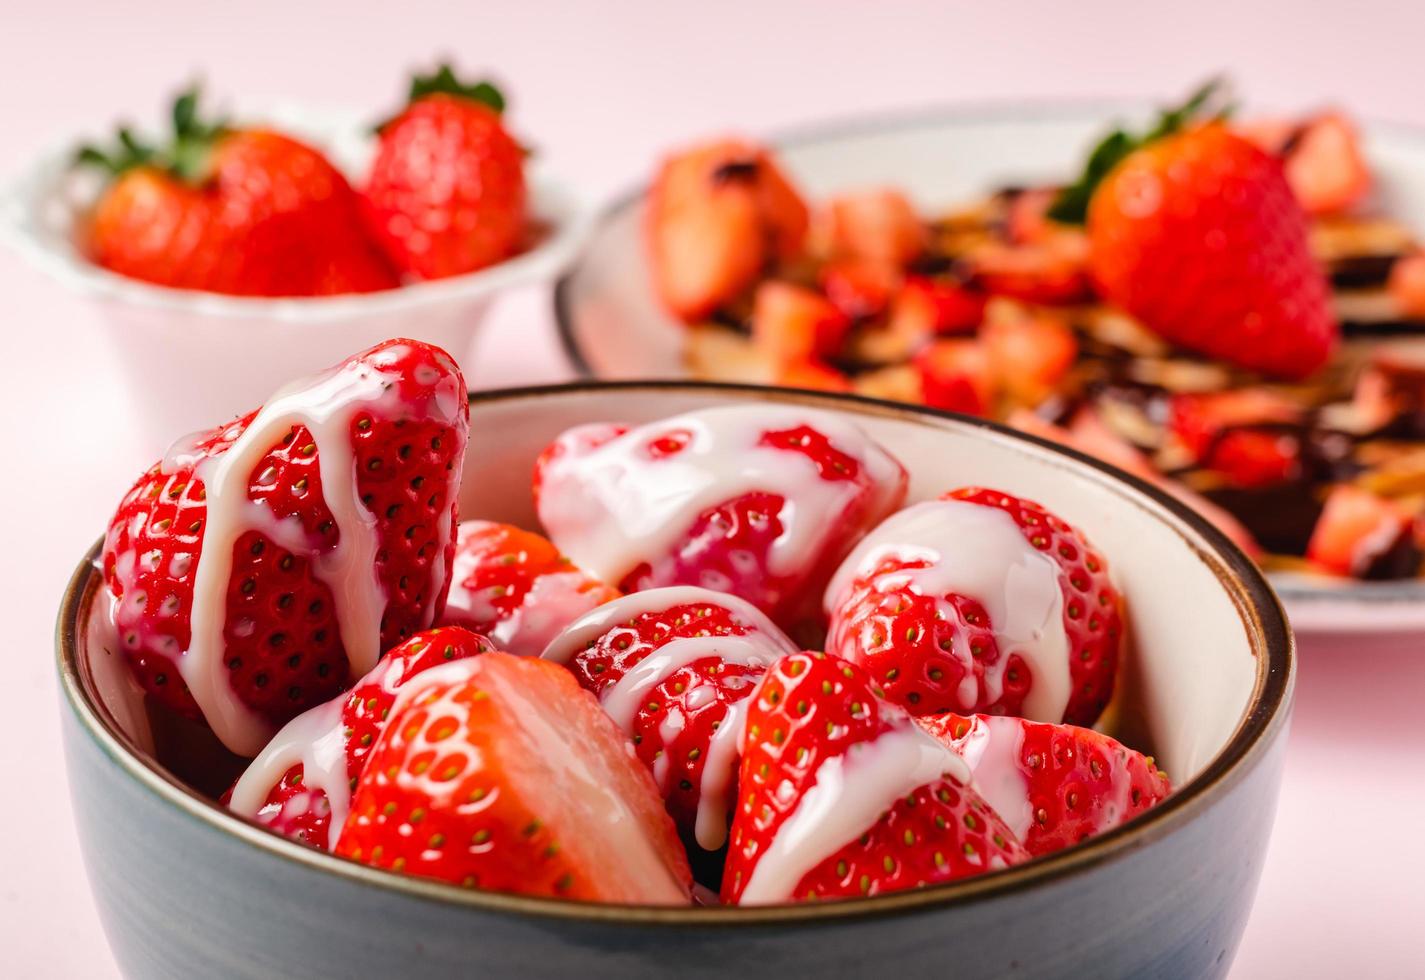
{"type": "Point", "coordinates": [1225, 306]}
{"type": "Point", "coordinates": [216, 239]}
{"type": "Point", "coordinates": [639, 677]}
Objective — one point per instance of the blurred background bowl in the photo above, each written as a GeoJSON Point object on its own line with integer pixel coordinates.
{"type": "Point", "coordinates": [191, 358]}
{"type": "Point", "coordinates": [186, 888]}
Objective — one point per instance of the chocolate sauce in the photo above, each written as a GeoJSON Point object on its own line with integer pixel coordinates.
{"type": "Point", "coordinates": [1361, 271]}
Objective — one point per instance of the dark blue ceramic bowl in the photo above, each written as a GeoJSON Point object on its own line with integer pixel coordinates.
{"type": "Point", "coordinates": [187, 889]}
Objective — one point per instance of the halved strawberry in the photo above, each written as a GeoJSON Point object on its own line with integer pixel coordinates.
{"type": "Point", "coordinates": [877, 225]}
{"type": "Point", "coordinates": [1054, 785]}
{"type": "Point", "coordinates": [983, 601]}
{"type": "Point", "coordinates": [1321, 157]}
{"type": "Point", "coordinates": [259, 565]}
{"type": "Point", "coordinates": [757, 500]}
{"type": "Point", "coordinates": [842, 795]}
{"type": "Point", "coordinates": [1356, 529]}
{"type": "Point", "coordinates": [859, 289]}
{"type": "Point", "coordinates": [516, 588]}
{"type": "Point", "coordinates": [672, 667]}
{"type": "Point", "coordinates": [300, 784]}
{"type": "Point", "coordinates": [717, 215]}
{"type": "Point", "coordinates": [500, 773]}
{"type": "Point", "coordinates": [956, 376]}
{"type": "Point", "coordinates": [1243, 434]}
{"type": "Point", "coordinates": [792, 324]}
{"type": "Point", "coordinates": [1029, 353]}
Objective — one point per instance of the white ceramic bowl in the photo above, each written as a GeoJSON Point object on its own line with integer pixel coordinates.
{"type": "Point", "coordinates": [191, 358]}
{"type": "Point", "coordinates": [188, 889]}
{"type": "Point", "coordinates": [613, 326]}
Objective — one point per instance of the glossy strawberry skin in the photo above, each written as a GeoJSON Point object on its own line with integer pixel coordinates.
{"type": "Point", "coordinates": [272, 218]}
{"type": "Point", "coordinates": [282, 642]}
{"type": "Point", "coordinates": [446, 194]}
{"type": "Point", "coordinates": [1199, 236]}
{"type": "Point", "coordinates": [365, 711]}
{"type": "Point", "coordinates": [697, 697]}
{"type": "Point", "coordinates": [1077, 782]}
{"type": "Point", "coordinates": [899, 636]}
{"type": "Point", "coordinates": [812, 707]}
{"type": "Point", "coordinates": [455, 789]}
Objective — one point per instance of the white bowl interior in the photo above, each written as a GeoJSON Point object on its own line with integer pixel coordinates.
{"type": "Point", "coordinates": [616, 324]}
{"type": "Point", "coordinates": [1191, 669]}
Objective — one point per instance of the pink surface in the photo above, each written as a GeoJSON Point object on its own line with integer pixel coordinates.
{"type": "Point", "coordinates": [598, 91]}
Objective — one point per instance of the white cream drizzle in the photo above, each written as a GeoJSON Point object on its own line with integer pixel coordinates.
{"type": "Point", "coordinates": [315, 739]}
{"type": "Point", "coordinates": [615, 506]}
{"type": "Point", "coordinates": [759, 647]}
{"type": "Point", "coordinates": [849, 794]}
{"type": "Point", "coordinates": [325, 406]}
{"type": "Point", "coordinates": [991, 748]}
{"type": "Point", "coordinates": [979, 552]}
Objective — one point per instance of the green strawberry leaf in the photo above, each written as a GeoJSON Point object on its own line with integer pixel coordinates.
{"type": "Point", "coordinates": [1209, 101]}
{"type": "Point", "coordinates": [444, 81]}
{"type": "Point", "coordinates": [185, 155]}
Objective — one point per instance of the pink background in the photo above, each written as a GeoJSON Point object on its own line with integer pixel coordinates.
{"type": "Point", "coordinates": [599, 89]}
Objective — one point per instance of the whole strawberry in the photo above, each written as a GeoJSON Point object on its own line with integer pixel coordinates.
{"type": "Point", "coordinates": [980, 601]}
{"type": "Point", "coordinates": [446, 193]}
{"type": "Point", "coordinates": [500, 773]}
{"type": "Point", "coordinates": [1054, 785]}
{"type": "Point", "coordinates": [248, 212]}
{"type": "Point", "coordinates": [842, 795]}
{"type": "Point", "coordinates": [674, 667]}
{"type": "Point", "coordinates": [300, 785]}
{"type": "Point", "coordinates": [259, 567]}
{"type": "Point", "coordinates": [1195, 231]}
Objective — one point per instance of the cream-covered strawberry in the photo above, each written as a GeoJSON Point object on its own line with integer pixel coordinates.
{"type": "Point", "coordinates": [515, 587]}
{"type": "Point", "coordinates": [757, 500]}
{"type": "Point", "coordinates": [300, 784]}
{"type": "Point", "coordinates": [674, 667]}
{"type": "Point", "coordinates": [261, 566]}
{"type": "Point", "coordinates": [980, 602]}
{"type": "Point", "coordinates": [1054, 785]}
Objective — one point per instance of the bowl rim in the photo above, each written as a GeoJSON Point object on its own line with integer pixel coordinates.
{"type": "Point", "coordinates": [566, 218]}
{"type": "Point", "coordinates": [1263, 721]}
{"type": "Point", "coordinates": [1319, 603]}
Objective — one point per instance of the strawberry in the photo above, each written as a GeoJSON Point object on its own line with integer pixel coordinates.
{"type": "Point", "coordinates": [446, 191]}
{"type": "Point", "coordinates": [247, 212]}
{"type": "Point", "coordinates": [500, 773]}
{"type": "Point", "coordinates": [860, 290]}
{"type": "Point", "coordinates": [673, 666]}
{"type": "Point", "coordinates": [878, 226]}
{"type": "Point", "coordinates": [1194, 231]}
{"type": "Point", "coordinates": [842, 795]}
{"type": "Point", "coordinates": [941, 306]}
{"type": "Point", "coordinates": [1029, 353]}
{"type": "Point", "coordinates": [894, 609]}
{"type": "Point", "coordinates": [1321, 158]}
{"type": "Point", "coordinates": [1407, 284]}
{"type": "Point", "coordinates": [955, 375]}
{"type": "Point", "coordinates": [1359, 532]}
{"type": "Point", "coordinates": [291, 583]}
{"type": "Point", "coordinates": [717, 216]}
{"type": "Point", "coordinates": [759, 501]}
{"type": "Point", "coordinates": [516, 588]}
{"type": "Point", "coordinates": [1054, 785]}
{"type": "Point", "coordinates": [812, 375]}
{"type": "Point", "coordinates": [1244, 434]}
{"type": "Point", "coordinates": [792, 324]}
{"type": "Point", "coordinates": [309, 806]}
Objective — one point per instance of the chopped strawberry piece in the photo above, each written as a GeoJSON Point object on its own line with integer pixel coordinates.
{"type": "Point", "coordinates": [791, 324]}
{"type": "Point", "coordinates": [1051, 271]}
{"type": "Point", "coordinates": [1322, 160]}
{"type": "Point", "coordinates": [717, 216]}
{"type": "Point", "coordinates": [1355, 528]}
{"type": "Point", "coordinates": [1407, 284]}
{"type": "Point", "coordinates": [813, 375]}
{"type": "Point", "coordinates": [1239, 434]}
{"type": "Point", "coordinates": [877, 225]}
{"type": "Point", "coordinates": [858, 288]}
{"type": "Point", "coordinates": [1029, 354]}
{"type": "Point", "coordinates": [956, 376]}
{"type": "Point", "coordinates": [1054, 785]}
{"type": "Point", "coordinates": [1028, 220]}
{"type": "Point", "coordinates": [944, 307]}
{"type": "Point", "coordinates": [501, 773]}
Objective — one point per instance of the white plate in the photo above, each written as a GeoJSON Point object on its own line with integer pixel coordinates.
{"type": "Point", "coordinates": [613, 326]}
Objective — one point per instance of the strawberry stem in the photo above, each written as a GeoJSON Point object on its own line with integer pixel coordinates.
{"type": "Point", "coordinates": [1211, 100]}
{"type": "Point", "coordinates": [185, 156]}
{"type": "Point", "coordinates": [445, 82]}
